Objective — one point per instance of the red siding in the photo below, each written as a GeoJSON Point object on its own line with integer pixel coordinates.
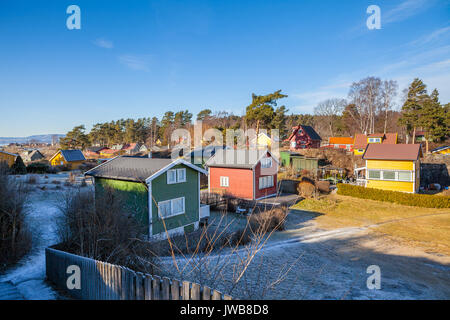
{"type": "Point", "coordinates": [258, 174]}
{"type": "Point", "coordinates": [240, 181]}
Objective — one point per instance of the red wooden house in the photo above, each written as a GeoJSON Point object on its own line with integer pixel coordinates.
{"type": "Point", "coordinates": [304, 137]}
{"type": "Point", "coordinates": [246, 174]}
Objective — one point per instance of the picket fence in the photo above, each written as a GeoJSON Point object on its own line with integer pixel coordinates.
{"type": "Point", "coordinates": [104, 281]}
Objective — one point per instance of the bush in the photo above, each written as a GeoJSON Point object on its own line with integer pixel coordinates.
{"type": "Point", "coordinates": [407, 199]}
{"type": "Point", "coordinates": [15, 238]}
{"type": "Point", "coordinates": [39, 167]}
{"type": "Point", "coordinates": [306, 188]}
{"type": "Point", "coordinates": [267, 221]}
{"type": "Point", "coordinates": [18, 167]}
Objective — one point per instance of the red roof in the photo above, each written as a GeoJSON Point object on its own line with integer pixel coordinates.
{"type": "Point", "coordinates": [110, 151]}
{"type": "Point", "coordinates": [377, 151]}
{"type": "Point", "coordinates": [361, 139]}
{"type": "Point", "coordinates": [129, 146]}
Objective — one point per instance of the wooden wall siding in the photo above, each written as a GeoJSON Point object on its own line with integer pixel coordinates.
{"type": "Point", "coordinates": [390, 164]}
{"type": "Point", "coordinates": [268, 191]}
{"type": "Point", "coordinates": [162, 191]}
{"type": "Point", "coordinates": [135, 196]}
{"type": "Point", "coordinates": [104, 281]}
{"type": "Point", "coordinates": [240, 181]}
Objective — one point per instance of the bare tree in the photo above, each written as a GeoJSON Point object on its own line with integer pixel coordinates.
{"type": "Point", "coordinates": [330, 109]}
{"type": "Point", "coordinates": [365, 95]}
{"type": "Point", "coordinates": [388, 93]}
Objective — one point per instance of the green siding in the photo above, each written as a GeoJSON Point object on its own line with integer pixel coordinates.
{"type": "Point", "coordinates": [135, 195]}
{"type": "Point", "coordinates": [162, 191]}
{"type": "Point", "coordinates": [300, 163]}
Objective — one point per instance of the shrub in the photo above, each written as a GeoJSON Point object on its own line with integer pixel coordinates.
{"type": "Point", "coordinates": [306, 188]}
{"type": "Point", "coordinates": [323, 186]}
{"type": "Point", "coordinates": [15, 238]}
{"type": "Point", "coordinates": [18, 167]}
{"type": "Point", "coordinates": [407, 199]}
{"type": "Point", "coordinates": [270, 220]}
{"type": "Point", "coordinates": [39, 167]}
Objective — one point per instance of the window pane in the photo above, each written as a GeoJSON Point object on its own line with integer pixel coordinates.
{"type": "Point", "coordinates": [374, 174]}
{"type": "Point", "coordinates": [404, 176]}
{"type": "Point", "coordinates": [388, 175]}
{"type": "Point", "coordinates": [171, 176]}
{"type": "Point", "coordinates": [181, 175]}
{"type": "Point", "coordinates": [177, 205]}
{"type": "Point", "coordinates": [164, 209]}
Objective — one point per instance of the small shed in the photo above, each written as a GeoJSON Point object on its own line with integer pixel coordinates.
{"type": "Point", "coordinates": [303, 163]}
{"type": "Point", "coordinates": [71, 158]}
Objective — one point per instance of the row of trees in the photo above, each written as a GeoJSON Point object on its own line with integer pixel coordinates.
{"type": "Point", "coordinates": [370, 108]}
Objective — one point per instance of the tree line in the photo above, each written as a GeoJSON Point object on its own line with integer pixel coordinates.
{"type": "Point", "coordinates": [369, 108]}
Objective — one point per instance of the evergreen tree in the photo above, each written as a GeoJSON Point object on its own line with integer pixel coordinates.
{"type": "Point", "coordinates": [432, 119]}
{"type": "Point", "coordinates": [75, 139]}
{"type": "Point", "coordinates": [279, 121]}
{"type": "Point", "coordinates": [18, 166]}
{"type": "Point", "coordinates": [261, 111]}
{"type": "Point", "coordinates": [412, 108]}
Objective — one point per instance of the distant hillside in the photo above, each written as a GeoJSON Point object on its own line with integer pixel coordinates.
{"type": "Point", "coordinates": [40, 138]}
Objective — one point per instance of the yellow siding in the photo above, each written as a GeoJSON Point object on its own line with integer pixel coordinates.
{"type": "Point", "coordinates": [58, 160]}
{"type": "Point", "coordinates": [358, 153]}
{"type": "Point", "coordinates": [9, 159]}
{"type": "Point", "coordinates": [391, 185]}
{"type": "Point", "coordinates": [390, 165]}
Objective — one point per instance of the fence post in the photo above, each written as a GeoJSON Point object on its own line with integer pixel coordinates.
{"type": "Point", "coordinates": [175, 290]}
{"type": "Point", "coordinates": [206, 294]}
{"type": "Point", "coordinates": [216, 295]}
{"type": "Point", "coordinates": [165, 289]}
{"type": "Point", "coordinates": [195, 291]}
{"type": "Point", "coordinates": [156, 284]}
{"type": "Point", "coordinates": [139, 286]}
{"type": "Point", "coordinates": [186, 289]}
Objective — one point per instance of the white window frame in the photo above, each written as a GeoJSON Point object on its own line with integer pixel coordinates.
{"type": "Point", "coordinates": [374, 140]}
{"type": "Point", "coordinates": [172, 214]}
{"type": "Point", "coordinates": [266, 182]}
{"type": "Point", "coordinates": [184, 175]}
{"type": "Point", "coordinates": [177, 175]}
{"type": "Point", "coordinates": [396, 173]}
{"type": "Point", "coordinates": [266, 163]}
{"type": "Point", "coordinates": [224, 179]}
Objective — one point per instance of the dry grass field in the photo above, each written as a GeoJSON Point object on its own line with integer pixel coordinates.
{"type": "Point", "coordinates": [425, 228]}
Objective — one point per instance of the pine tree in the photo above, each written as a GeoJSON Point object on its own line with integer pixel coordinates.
{"type": "Point", "coordinates": [412, 108]}
{"type": "Point", "coordinates": [432, 119]}
{"type": "Point", "coordinates": [18, 166]}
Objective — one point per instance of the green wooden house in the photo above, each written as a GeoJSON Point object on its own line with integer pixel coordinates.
{"type": "Point", "coordinates": [298, 162]}
{"type": "Point", "coordinates": [164, 194]}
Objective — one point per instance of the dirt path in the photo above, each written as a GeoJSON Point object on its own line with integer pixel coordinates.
{"type": "Point", "coordinates": [28, 276]}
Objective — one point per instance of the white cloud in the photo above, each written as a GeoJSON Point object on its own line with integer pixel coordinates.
{"type": "Point", "coordinates": [135, 62]}
{"type": "Point", "coordinates": [103, 43]}
{"type": "Point", "coordinates": [405, 10]}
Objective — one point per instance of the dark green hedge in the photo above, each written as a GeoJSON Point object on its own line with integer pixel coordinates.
{"type": "Point", "coordinates": [407, 199]}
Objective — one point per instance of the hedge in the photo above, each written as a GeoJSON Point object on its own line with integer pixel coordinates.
{"type": "Point", "coordinates": [407, 199]}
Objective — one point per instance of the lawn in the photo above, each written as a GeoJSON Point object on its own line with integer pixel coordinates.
{"type": "Point", "coordinates": [419, 227]}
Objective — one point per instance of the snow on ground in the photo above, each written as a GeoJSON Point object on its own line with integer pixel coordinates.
{"type": "Point", "coordinates": [29, 274]}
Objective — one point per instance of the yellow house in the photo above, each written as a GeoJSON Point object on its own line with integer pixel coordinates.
{"type": "Point", "coordinates": [441, 150]}
{"type": "Point", "coordinates": [393, 167]}
{"type": "Point", "coordinates": [363, 140]}
{"type": "Point", "coordinates": [263, 140]}
{"type": "Point", "coordinates": [7, 157]}
{"type": "Point", "coordinates": [71, 158]}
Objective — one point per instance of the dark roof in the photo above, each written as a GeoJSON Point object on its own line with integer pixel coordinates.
{"type": "Point", "coordinates": [244, 159]}
{"type": "Point", "coordinates": [94, 149]}
{"type": "Point", "coordinates": [308, 130]}
{"type": "Point", "coordinates": [73, 155]}
{"type": "Point", "coordinates": [207, 151]}
{"type": "Point", "coordinates": [377, 151]}
{"type": "Point", "coordinates": [129, 168]}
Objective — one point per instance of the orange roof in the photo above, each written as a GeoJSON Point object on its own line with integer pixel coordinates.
{"type": "Point", "coordinates": [130, 146]}
{"type": "Point", "coordinates": [341, 140]}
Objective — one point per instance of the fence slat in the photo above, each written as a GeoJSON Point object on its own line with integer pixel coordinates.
{"type": "Point", "coordinates": [206, 293]}
{"type": "Point", "coordinates": [216, 295]}
{"type": "Point", "coordinates": [195, 291]}
{"type": "Point", "coordinates": [175, 290]}
{"type": "Point", "coordinates": [148, 287]}
{"type": "Point", "coordinates": [156, 288]}
{"type": "Point", "coordinates": [139, 286]}
{"type": "Point", "coordinates": [165, 290]}
{"type": "Point", "coordinates": [186, 289]}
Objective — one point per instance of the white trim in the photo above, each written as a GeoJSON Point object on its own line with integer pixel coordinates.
{"type": "Point", "coordinates": [209, 180]}
{"type": "Point", "coordinates": [254, 183]}
{"type": "Point", "coordinates": [168, 174]}
{"type": "Point", "coordinates": [150, 209]}
{"type": "Point", "coordinates": [172, 214]}
{"type": "Point", "coordinates": [172, 164]}
{"type": "Point", "coordinates": [184, 170]}
{"type": "Point", "coordinates": [225, 178]}
{"type": "Point", "coordinates": [414, 176]}
{"type": "Point", "coordinates": [199, 193]}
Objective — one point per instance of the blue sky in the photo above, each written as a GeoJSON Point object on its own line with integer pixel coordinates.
{"type": "Point", "coordinates": [141, 58]}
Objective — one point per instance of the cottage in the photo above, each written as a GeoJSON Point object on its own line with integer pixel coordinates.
{"type": "Point", "coordinates": [32, 155]}
{"type": "Point", "coordinates": [341, 143]}
{"type": "Point", "coordinates": [111, 153]}
{"type": "Point", "coordinates": [131, 148]}
{"type": "Point", "coordinates": [264, 140]}
{"type": "Point", "coordinates": [164, 194]}
{"type": "Point", "coordinates": [70, 158]}
{"type": "Point", "coordinates": [93, 152]}
{"type": "Point", "coordinates": [246, 174]}
{"type": "Point", "coordinates": [8, 158]}
{"type": "Point", "coordinates": [304, 137]}
{"type": "Point", "coordinates": [298, 162]}
{"type": "Point", "coordinates": [363, 140]}
{"type": "Point", "coordinates": [393, 167]}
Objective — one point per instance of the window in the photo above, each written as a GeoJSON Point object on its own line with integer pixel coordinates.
{"type": "Point", "coordinates": [181, 175]}
{"type": "Point", "coordinates": [224, 182]}
{"type": "Point", "coordinates": [176, 176]}
{"type": "Point", "coordinates": [388, 175]}
{"type": "Point", "coordinates": [171, 208]}
{"type": "Point", "coordinates": [266, 182]}
{"type": "Point", "coordinates": [405, 176]}
{"type": "Point", "coordinates": [374, 140]}
{"type": "Point", "coordinates": [266, 163]}
{"type": "Point", "coordinates": [374, 174]}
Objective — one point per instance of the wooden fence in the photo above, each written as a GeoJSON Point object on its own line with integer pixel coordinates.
{"type": "Point", "coordinates": [103, 281]}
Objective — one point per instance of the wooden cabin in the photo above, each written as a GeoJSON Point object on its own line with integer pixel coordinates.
{"type": "Point", "coordinates": [70, 158]}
